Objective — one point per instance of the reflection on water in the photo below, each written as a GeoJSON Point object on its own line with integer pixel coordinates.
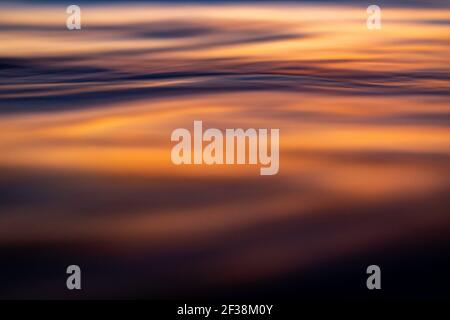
{"type": "Point", "coordinates": [86, 118]}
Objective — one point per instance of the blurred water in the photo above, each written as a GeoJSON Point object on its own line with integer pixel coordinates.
{"type": "Point", "coordinates": [86, 117]}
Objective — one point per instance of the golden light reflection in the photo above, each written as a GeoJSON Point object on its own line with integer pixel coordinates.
{"type": "Point", "coordinates": [86, 119]}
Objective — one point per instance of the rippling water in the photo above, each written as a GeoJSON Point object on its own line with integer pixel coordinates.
{"type": "Point", "coordinates": [86, 117]}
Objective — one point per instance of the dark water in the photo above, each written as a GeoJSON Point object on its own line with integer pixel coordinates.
{"type": "Point", "coordinates": [86, 176]}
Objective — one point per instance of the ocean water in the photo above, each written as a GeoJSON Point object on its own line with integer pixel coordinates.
{"type": "Point", "coordinates": [86, 176]}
